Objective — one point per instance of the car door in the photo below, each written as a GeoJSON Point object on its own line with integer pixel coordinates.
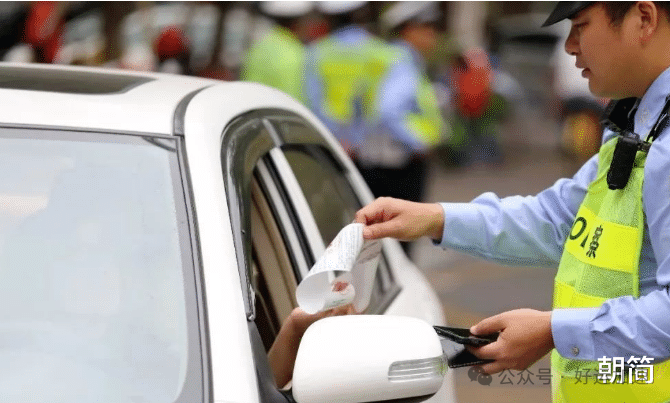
{"type": "Point", "coordinates": [320, 186]}
{"type": "Point", "coordinates": [290, 192]}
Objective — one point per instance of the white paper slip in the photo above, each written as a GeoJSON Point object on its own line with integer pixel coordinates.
{"type": "Point", "coordinates": [344, 274]}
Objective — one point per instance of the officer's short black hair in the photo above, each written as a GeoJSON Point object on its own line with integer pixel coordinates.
{"type": "Point", "coordinates": [616, 10]}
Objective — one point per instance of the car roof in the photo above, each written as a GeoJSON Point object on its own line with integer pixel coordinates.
{"type": "Point", "coordinates": [38, 95]}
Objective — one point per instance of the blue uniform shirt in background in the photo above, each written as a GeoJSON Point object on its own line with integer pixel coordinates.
{"type": "Point", "coordinates": [398, 97]}
{"type": "Point", "coordinates": [531, 231]}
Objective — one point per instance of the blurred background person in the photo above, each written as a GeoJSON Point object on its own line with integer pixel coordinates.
{"type": "Point", "coordinates": [476, 112]}
{"type": "Point", "coordinates": [173, 51]}
{"type": "Point", "coordinates": [339, 83]}
{"type": "Point", "coordinates": [394, 156]}
{"type": "Point", "coordinates": [44, 29]}
{"type": "Point", "coordinates": [374, 96]}
{"type": "Point", "coordinates": [278, 58]}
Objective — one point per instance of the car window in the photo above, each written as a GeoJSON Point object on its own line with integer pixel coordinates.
{"type": "Point", "coordinates": [329, 194]}
{"type": "Point", "coordinates": [327, 191]}
{"type": "Point", "coordinates": [92, 271]}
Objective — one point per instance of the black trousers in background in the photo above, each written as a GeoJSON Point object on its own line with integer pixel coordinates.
{"type": "Point", "coordinates": [407, 182]}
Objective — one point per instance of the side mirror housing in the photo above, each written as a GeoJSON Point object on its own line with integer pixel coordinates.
{"type": "Point", "coordinates": [366, 358]}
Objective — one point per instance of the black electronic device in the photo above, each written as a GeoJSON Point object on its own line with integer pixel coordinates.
{"type": "Point", "coordinates": [623, 160]}
{"type": "Point", "coordinates": [619, 117]}
{"type": "Point", "coordinates": [454, 341]}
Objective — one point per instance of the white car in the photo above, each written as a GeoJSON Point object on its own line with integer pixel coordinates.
{"type": "Point", "coordinates": [153, 229]}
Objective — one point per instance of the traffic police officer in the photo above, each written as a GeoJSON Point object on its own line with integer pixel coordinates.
{"type": "Point", "coordinates": [278, 59]}
{"type": "Point", "coordinates": [342, 72]}
{"type": "Point", "coordinates": [606, 227]}
{"type": "Point", "coordinates": [396, 153]}
{"type": "Point", "coordinates": [372, 97]}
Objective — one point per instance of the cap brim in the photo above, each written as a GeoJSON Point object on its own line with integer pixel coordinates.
{"type": "Point", "coordinates": [565, 9]}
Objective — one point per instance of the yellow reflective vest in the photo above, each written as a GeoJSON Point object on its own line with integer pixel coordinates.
{"type": "Point", "coordinates": [351, 77]}
{"type": "Point", "coordinates": [599, 262]}
{"type": "Point", "coordinates": [278, 61]}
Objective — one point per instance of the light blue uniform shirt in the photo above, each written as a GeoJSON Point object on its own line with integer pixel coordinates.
{"type": "Point", "coordinates": [532, 230]}
{"type": "Point", "coordinates": [397, 95]}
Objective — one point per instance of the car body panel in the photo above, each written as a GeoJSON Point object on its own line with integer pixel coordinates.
{"type": "Point", "coordinates": [208, 108]}
{"type": "Point", "coordinates": [148, 108]}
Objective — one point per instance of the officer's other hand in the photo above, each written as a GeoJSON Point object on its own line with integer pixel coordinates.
{"type": "Point", "coordinates": [401, 219]}
{"type": "Point", "coordinates": [525, 337]}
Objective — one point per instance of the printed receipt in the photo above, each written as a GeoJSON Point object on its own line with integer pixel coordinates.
{"type": "Point", "coordinates": [344, 274]}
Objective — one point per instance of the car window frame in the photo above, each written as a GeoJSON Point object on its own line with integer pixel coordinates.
{"type": "Point", "coordinates": [259, 146]}
{"type": "Point", "coordinates": [245, 144]}
{"type": "Point", "coordinates": [390, 286]}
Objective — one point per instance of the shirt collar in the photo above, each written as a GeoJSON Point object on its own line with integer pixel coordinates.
{"type": "Point", "coordinates": [652, 103]}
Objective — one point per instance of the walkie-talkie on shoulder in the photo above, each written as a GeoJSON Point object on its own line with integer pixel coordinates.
{"type": "Point", "coordinates": [619, 117]}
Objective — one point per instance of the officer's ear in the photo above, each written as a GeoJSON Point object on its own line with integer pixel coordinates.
{"type": "Point", "coordinates": [648, 14]}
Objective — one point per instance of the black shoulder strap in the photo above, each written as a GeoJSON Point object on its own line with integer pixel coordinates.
{"type": "Point", "coordinates": [619, 114]}
{"type": "Point", "coordinates": [661, 123]}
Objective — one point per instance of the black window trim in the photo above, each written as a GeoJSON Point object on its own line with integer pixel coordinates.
{"type": "Point", "coordinates": [284, 212]}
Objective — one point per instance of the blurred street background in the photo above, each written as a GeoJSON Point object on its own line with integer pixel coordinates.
{"type": "Point", "coordinates": [493, 104]}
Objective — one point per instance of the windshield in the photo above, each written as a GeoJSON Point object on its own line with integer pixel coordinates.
{"type": "Point", "coordinates": [91, 274]}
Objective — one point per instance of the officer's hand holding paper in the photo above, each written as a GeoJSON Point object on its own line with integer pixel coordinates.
{"type": "Point", "coordinates": [343, 275]}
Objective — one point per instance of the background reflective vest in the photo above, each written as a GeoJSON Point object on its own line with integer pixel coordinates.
{"type": "Point", "coordinates": [352, 75]}
{"type": "Point", "coordinates": [278, 61]}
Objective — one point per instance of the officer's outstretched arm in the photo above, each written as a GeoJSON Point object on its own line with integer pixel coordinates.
{"type": "Point", "coordinates": [401, 219]}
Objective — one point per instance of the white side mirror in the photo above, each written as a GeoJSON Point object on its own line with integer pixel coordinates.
{"type": "Point", "coordinates": [364, 358]}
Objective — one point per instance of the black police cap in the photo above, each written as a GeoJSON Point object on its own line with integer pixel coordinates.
{"type": "Point", "coordinates": [566, 9]}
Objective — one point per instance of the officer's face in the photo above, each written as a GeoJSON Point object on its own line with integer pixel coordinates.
{"type": "Point", "coordinates": [607, 54]}
{"type": "Point", "coordinates": [422, 36]}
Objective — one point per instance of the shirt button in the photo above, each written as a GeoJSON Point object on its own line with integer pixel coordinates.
{"type": "Point", "coordinates": [575, 351]}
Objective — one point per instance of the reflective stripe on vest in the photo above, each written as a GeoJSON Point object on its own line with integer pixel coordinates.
{"type": "Point", "coordinates": [600, 261]}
